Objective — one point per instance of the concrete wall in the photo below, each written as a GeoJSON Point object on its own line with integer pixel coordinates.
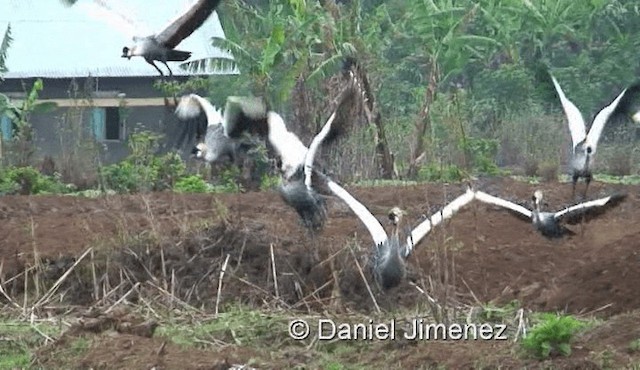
{"type": "Point", "coordinates": [58, 129]}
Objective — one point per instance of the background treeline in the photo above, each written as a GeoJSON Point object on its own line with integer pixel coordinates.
{"type": "Point", "coordinates": [455, 87]}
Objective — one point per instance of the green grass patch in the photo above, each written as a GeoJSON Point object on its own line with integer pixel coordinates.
{"type": "Point", "coordinates": [19, 340]}
{"type": "Point", "coordinates": [552, 335]}
{"type": "Point", "coordinates": [239, 325]}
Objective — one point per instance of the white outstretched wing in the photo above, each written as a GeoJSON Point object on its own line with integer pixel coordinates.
{"type": "Point", "coordinates": [313, 148]}
{"type": "Point", "coordinates": [376, 230]}
{"type": "Point", "coordinates": [105, 11]}
{"type": "Point", "coordinates": [487, 198]}
{"type": "Point", "coordinates": [582, 208]}
{"type": "Point", "coordinates": [445, 213]}
{"type": "Point", "coordinates": [598, 123]}
{"type": "Point", "coordinates": [190, 106]}
{"type": "Point", "coordinates": [288, 146]}
{"type": "Point", "coordinates": [576, 122]}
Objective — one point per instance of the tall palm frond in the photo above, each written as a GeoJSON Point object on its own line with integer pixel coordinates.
{"type": "Point", "coordinates": [4, 46]}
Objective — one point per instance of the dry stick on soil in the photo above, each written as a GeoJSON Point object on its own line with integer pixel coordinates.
{"type": "Point", "coordinates": [124, 296]}
{"type": "Point", "coordinates": [521, 325]}
{"type": "Point", "coordinates": [173, 286]}
{"type": "Point", "coordinates": [366, 283]}
{"type": "Point", "coordinates": [178, 300]}
{"type": "Point", "coordinates": [222, 271]}
{"type": "Point", "coordinates": [94, 278]}
{"type": "Point", "coordinates": [287, 306]}
{"type": "Point", "coordinates": [273, 270]}
{"type": "Point", "coordinates": [4, 293]}
{"type": "Point", "coordinates": [164, 267]}
{"type": "Point", "coordinates": [475, 298]}
{"type": "Point", "coordinates": [107, 294]}
{"type": "Point", "coordinates": [36, 258]}
{"type": "Point", "coordinates": [62, 278]}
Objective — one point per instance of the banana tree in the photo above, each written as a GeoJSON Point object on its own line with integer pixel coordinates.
{"type": "Point", "coordinates": [443, 48]}
{"type": "Point", "coordinates": [20, 114]}
{"type": "Point", "coordinates": [4, 46]}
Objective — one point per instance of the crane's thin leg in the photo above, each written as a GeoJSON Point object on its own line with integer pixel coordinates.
{"type": "Point", "coordinates": [155, 66]}
{"type": "Point", "coordinates": [587, 180]}
{"type": "Point", "coordinates": [574, 180]}
{"type": "Point", "coordinates": [169, 69]}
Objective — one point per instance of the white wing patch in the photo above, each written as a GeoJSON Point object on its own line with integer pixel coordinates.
{"type": "Point", "coordinates": [445, 213]}
{"type": "Point", "coordinates": [104, 11]}
{"type": "Point", "coordinates": [581, 207]}
{"type": "Point", "coordinates": [288, 146]}
{"type": "Point", "coordinates": [490, 199]}
{"type": "Point", "coordinates": [376, 230]}
{"type": "Point", "coordinates": [598, 123]}
{"type": "Point", "coordinates": [192, 105]}
{"type": "Point", "coordinates": [576, 121]}
{"type": "Point", "coordinates": [313, 148]}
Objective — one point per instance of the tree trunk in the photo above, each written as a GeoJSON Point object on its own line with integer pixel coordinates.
{"type": "Point", "coordinates": [384, 158]}
{"type": "Point", "coordinates": [423, 122]}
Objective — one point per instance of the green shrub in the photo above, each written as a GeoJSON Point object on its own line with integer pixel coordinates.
{"type": "Point", "coordinates": [482, 154]}
{"type": "Point", "coordinates": [439, 173]}
{"type": "Point", "coordinates": [192, 184]}
{"type": "Point", "coordinates": [552, 335]}
{"type": "Point", "coordinates": [28, 180]}
{"type": "Point", "coordinates": [142, 170]}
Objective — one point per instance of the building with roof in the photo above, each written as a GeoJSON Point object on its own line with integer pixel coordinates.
{"type": "Point", "coordinates": [76, 51]}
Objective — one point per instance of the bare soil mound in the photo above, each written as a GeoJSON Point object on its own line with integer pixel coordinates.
{"type": "Point", "coordinates": [486, 254]}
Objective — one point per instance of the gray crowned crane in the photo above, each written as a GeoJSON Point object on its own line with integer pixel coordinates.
{"type": "Point", "coordinates": [300, 182]}
{"type": "Point", "coordinates": [161, 45]}
{"type": "Point", "coordinates": [300, 179]}
{"type": "Point", "coordinates": [391, 251]}
{"type": "Point", "coordinates": [585, 144]}
{"type": "Point", "coordinates": [202, 120]}
{"type": "Point", "coordinates": [551, 224]}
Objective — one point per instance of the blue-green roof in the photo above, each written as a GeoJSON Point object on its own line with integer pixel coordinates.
{"type": "Point", "coordinates": [54, 41]}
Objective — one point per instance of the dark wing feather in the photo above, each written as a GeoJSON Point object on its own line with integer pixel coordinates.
{"type": "Point", "coordinates": [187, 23]}
{"type": "Point", "coordinates": [630, 102]}
{"type": "Point", "coordinates": [190, 130]}
{"type": "Point", "coordinates": [245, 114]}
{"type": "Point", "coordinates": [578, 214]}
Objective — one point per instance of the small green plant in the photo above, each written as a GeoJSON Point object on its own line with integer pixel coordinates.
{"type": "Point", "coordinates": [481, 152]}
{"type": "Point", "coordinates": [552, 335]}
{"type": "Point", "coordinates": [634, 346]}
{"type": "Point", "coordinates": [438, 173]}
{"type": "Point", "coordinates": [268, 182]}
{"type": "Point", "coordinates": [498, 314]}
{"type": "Point", "coordinates": [192, 184]}
{"type": "Point", "coordinates": [28, 180]}
{"type": "Point", "coordinates": [142, 170]}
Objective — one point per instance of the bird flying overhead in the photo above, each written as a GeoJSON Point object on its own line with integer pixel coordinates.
{"type": "Point", "coordinates": [159, 46]}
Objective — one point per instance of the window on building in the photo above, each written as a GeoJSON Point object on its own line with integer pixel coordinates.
{"type": "Point", "coordinates": [6, 128]}
{"type": "Point", "coordinates": [105, 123]}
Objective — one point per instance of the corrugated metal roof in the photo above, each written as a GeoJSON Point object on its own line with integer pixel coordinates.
{"type": "Point", "coordinates": [54, 41]}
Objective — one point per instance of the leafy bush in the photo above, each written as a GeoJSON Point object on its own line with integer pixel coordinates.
{"type": "Point", "coordinates": [28, 180]}
{"type": "Point", "coordinates": [481, 152]}
{"type": "Point", "coordinates": [552, 335]}
{"type": "Point", "coordinates": [268, 182]}
{"type": "Point", "coordinates": [142, 170]}
{"type": "Point", "coordinates": [192, 184]}
{"type": "Point", "coordinates": [437, 172]}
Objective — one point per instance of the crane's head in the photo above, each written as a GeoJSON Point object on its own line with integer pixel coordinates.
{"type": "Point", "coordinates": [126, 52]}
{"type": "Point", "coordinates": [199, 151]}
{"type": "Point", "coordinates": [395, 215]}
{"type": "Point", "coordinates": [537, 198]}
